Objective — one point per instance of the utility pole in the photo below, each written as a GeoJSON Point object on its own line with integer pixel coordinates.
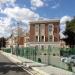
{"type": "Point", "coordinates": [11, 40]}
{"type": "Point", "coordinates": [17, 47]}
{"type": "Point", "coordinates": [18, 35]}
{"type": "Point", "coordinates": [2, 42]}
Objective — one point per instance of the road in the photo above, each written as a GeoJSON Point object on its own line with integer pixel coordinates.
{"type": "Point", "coordinates": [9, 68]}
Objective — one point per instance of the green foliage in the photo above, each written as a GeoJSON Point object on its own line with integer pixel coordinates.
{"type": "Point", "coordinates": [71, 25]}
{"type": "Point", "coordinates": [67, 51]}
{"type": "Point", "coordinates": [2, 42]}
{"type": "Point", "coordinates": [70, 32]}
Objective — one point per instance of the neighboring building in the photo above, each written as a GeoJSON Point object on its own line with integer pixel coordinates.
{"type": "Point", "coordinates": [22, 40]}
{"type": "Point", "coordinates": [17, 38]}
{"type": "Point", "coordinates": [26, 40]}
{"type": "Point", "coordinates": [19, 41]}
{"type": "Point", "coordinates": [44, 33]}
{"type": "Point", "coordinates": [63, 44]}
{"type": "Point", "coordinates": [13, 41]}
{"type": "Point", "coordinates": [10, 42]}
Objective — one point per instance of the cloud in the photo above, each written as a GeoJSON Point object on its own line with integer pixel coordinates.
{"type": "Point", "coordinates": [54, 3]}
{"type": "Point", "coordinates": [14, 15]}
{"type": "Point", "coordinates": [61, 35]}
{"type": "Point", "coordinates": [64, 19]}
{"type": "Point", "coordinates": [62, 27]}
{"type": "Point", "coordinates": [4, 24]}
{"type": "Point", "coordinates": [37, 3]}
{"type": "Point", "coordinates": [33, 8]}
{"type": "Point", "coordinates": [1, 10]}
{"type": "Point", "coordinates": [5, 1]}
{"type": "Point", "coordinates": [55, 6]}
{"type": "Point", "coordinates": [20, 13]}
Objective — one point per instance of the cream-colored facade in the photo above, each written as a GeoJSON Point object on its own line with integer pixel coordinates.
{"type": "Point", "coordinates": [13, 41]}
{"type": "Point", "coordinates": [10, 42]}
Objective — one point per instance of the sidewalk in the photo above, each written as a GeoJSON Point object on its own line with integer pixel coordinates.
{"type": "Point", "coordinates": [43, 69]}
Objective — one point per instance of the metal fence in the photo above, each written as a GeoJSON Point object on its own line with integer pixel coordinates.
{"type": "Point", "coordinates": [50, 56]}
{"type": "Point", "coordinates": [8, 50]}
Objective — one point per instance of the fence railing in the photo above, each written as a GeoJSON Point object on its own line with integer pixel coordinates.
{"type": "Point", "coordinates": [50, 56]}
{"type": "Point", "coordinates": [8, 50]}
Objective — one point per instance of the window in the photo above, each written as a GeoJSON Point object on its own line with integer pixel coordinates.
{"type": "Point", "coordinates": [42, 29]}
{"type": "Point", "coordinates": [42, 38]}
{"type": "Point", "coordinates": [37, 29]}
{"type": "Point", "coordinates": [50, 26]}
{"type": "Point", "coordinates": [50, 38]}
{"type": "Point", "coordinates": [36, 38]}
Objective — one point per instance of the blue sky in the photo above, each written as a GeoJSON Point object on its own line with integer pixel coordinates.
{"type": "Point", "coordinates": [26, 10]}
{"type": "Point", "coordinates": [50, 8]}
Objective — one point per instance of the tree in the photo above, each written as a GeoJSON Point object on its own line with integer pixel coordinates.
{"type": "Point", "coordinates": [2, 42]}
{"type": "Point", "coordinates": [70, 33]}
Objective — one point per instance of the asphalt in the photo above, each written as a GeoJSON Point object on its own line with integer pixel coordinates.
{"type": "Point", "coordinates": [9, 68]}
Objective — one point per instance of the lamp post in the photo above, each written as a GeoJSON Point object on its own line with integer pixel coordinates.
{"type": "Point", "coordinates": [19, 35]}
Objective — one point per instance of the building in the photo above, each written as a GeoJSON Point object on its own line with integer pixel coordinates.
{"type": "Point", "coordinates": [13, 41]}
{"type": "Point", "coordinates": [17, 38]}
{"type": "Point", "coordinates": [63, 44]}
{"type": "Point", "coordinates": [44, 33]}
{"type": "Point", "coordinates": [10, 42]}
{"type": "Point", "coordinates": [26, 39]}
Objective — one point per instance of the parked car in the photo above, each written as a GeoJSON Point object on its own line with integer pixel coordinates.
{"type": "Point", "coordinates": [70, 60]}
{"type": "Point", "coordinates": [64, 57]}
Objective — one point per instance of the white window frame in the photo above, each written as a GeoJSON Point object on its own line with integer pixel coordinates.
{"type": "Point", "coordinates": [51, 33]}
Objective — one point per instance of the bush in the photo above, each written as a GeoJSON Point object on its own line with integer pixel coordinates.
{"type": "Point", "coordinates": [69, 67]}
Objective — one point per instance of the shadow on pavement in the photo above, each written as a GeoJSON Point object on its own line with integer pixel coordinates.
{"type": "Point", "coordinates": [5, 67]}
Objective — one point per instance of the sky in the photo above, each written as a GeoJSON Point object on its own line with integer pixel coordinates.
{"type": "Point", "coordinates": [13, 11]}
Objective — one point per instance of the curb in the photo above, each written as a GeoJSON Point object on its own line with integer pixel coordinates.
{"type": "Point", "coordinates": [36, 69]}
{"type": "Point", "coordinates": [14, 59]}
